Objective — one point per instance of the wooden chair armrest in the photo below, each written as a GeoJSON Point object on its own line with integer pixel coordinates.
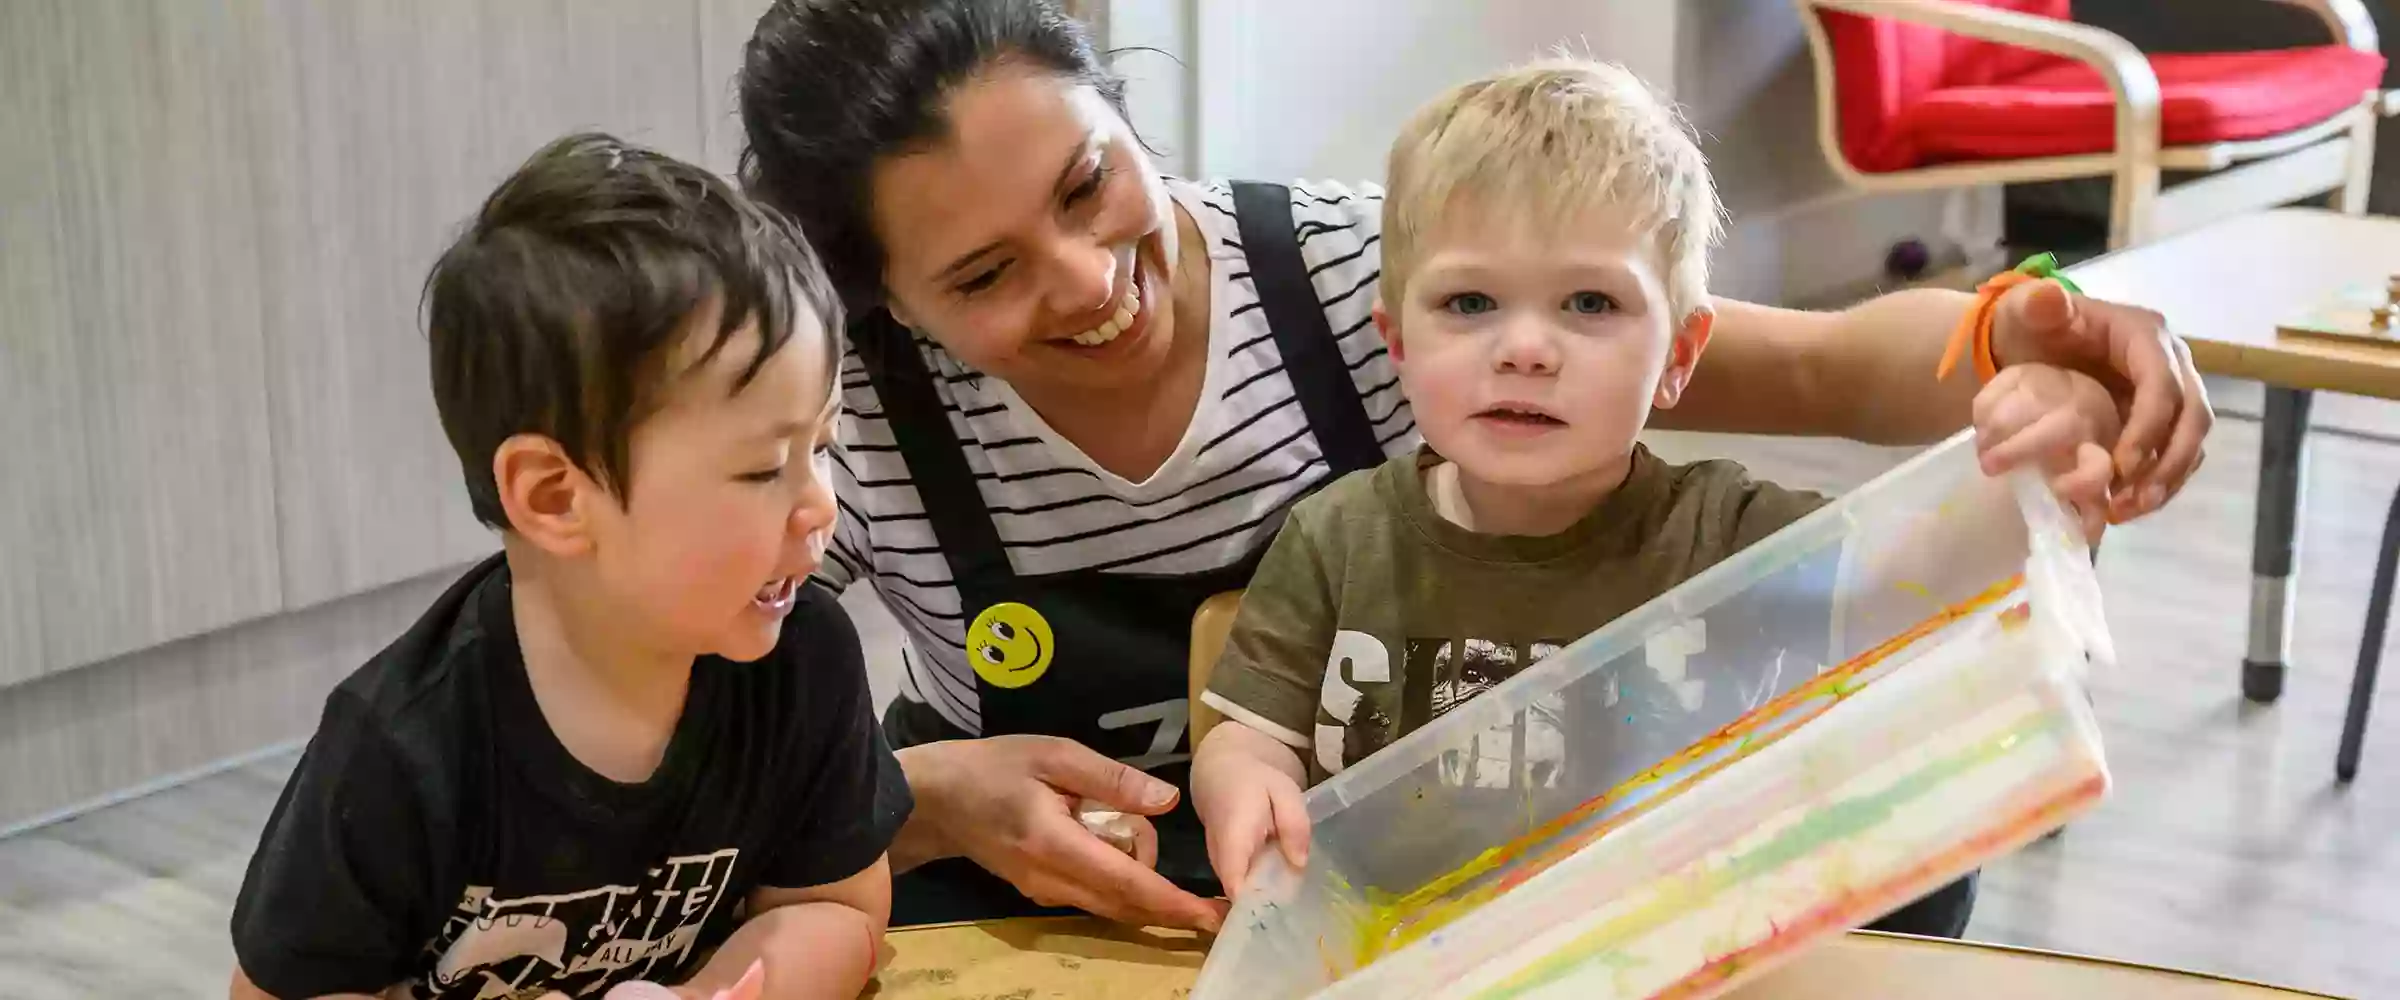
{"type": "Point", "coordinates": [1211, 625]}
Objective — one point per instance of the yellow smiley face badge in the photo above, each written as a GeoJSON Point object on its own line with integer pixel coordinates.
{"type": "Point", "coordinates": [1009, 645]}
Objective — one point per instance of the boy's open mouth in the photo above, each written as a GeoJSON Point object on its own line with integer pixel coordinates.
{"type": "Point", "coordinates": [1522, 416]}
{"type": "Point", "coordinates": [776, 598]}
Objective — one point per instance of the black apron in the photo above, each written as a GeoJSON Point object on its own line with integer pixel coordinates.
{"type": "Point", "coordinates": [1100, 658]}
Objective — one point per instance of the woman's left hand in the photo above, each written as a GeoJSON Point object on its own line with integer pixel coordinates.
{"type": "Point", "coordinates": [2147, 370]}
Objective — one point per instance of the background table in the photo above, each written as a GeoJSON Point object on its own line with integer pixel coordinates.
{"type": "Point", "coordinates": [2224, 288]}
{"type": "Point", "coordinates": [1071, 957]}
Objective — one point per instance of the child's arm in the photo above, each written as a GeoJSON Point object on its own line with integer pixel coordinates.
{"type": "Point", "coordinates": [811, 943]}
{"type": "Point", "coordinates": [339, 896]}
{"type": "Point", "coordinates": [1247, 774]}
{"type": "Point", "coordinates": [1246, 788]}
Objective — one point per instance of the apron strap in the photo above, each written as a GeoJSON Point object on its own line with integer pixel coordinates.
{"type": "Point", "coordinates": [1336, 414]}
{"type": "Point", "coordinates": [936, 460]}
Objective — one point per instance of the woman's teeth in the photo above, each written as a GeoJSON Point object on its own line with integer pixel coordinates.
{"type": "Point", "coordinates": [1126, 311]}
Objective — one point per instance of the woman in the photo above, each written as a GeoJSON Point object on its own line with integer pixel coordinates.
{"type": "Point", "coordinates": [1082, 394]}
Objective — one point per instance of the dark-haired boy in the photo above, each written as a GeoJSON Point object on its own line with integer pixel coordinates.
{"type": "Point", "coordinates": [635, 745]}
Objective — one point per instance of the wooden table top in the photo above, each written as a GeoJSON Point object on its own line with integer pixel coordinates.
{"type": "Point", "coordinates": [1061, 958]}
{"type": "Point", "coordinates": [2226, 286]}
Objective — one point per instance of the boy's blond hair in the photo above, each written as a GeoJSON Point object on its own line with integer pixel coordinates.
{"type": "Point", "coordinates": [1544, 143]}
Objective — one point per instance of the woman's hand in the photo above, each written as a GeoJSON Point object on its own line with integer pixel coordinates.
{"type": "Point", "coordinates": [2147, 371]}
{"type": "Point", "coordinates": [1246, 788]}
{"type": "Point", "coordinates": [2058, 421]}
{"type": "Point", "coordinates": [1008, 804]}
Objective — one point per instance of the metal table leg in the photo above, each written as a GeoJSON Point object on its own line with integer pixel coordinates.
{"type": "Point", "coordinates": [2275, 541]}
{"type": "Point", "coordinates": [2370, 647]}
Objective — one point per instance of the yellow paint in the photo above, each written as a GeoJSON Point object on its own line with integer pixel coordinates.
{"type": "Point", "coordinates": [1390, 923]}
{"type": "Point", "coordinates": [1009, 645]}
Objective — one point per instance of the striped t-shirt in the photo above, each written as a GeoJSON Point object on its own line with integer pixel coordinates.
{"type": "Point", "coordinates": [1247, 456]}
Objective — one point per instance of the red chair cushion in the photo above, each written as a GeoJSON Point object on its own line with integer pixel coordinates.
{"type": "Point", "coordinates": [1882, 67]}
{"type": "Point", "coordinates": [2065, 109]}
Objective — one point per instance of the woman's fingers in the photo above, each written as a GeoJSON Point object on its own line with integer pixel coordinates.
{"type": "Point", "coordinates": [2186, 447]}
{"type": "Point", "coordinates": [1079, 770]}
{"type": "Point", "coordinates": [1107, 881]}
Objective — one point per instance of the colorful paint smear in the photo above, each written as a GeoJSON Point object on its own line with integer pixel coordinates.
{"type": "Point", "coordinates": [1821, 826]}
{"type": "Point", "coordinates": [1391, 923]}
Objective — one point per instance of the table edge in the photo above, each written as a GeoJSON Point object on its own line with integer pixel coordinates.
{"type": "Point", "coordinates": [1883, 936]}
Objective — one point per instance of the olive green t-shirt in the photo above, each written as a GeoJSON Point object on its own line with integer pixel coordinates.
{"type": "Point", "coordinates": [1371, 615]}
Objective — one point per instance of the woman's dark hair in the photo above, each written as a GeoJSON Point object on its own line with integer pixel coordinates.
{"type": "Point", "coordinates": [828, 87]}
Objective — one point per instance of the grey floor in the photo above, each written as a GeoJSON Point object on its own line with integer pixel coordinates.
{"type": "Point", "coordinates": [2226, 847]}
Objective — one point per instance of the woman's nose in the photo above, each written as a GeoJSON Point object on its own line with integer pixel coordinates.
{"type": "Point", "coordinates": [1083, 277]}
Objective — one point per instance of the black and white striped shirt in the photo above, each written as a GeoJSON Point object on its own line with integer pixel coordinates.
{"type": "Point", "coordinates": [1247, 456]}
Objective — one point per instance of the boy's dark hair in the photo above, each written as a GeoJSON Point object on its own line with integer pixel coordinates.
{"type": "Point", "coordinates": [829, 87]}
{"type": "Point", "coordinates": [555, 312]}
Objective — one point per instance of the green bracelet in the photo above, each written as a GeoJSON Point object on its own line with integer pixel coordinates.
{"type": "Point", "coordinates": [2045, 265]}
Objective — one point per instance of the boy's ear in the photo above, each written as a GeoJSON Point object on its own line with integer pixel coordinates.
{"type": "Point", "coordinates": [1388, 327]}
{"type": "Point", "coordinates": [1683, 356]}
{"type": "Point", "coordinates": [545, 494]}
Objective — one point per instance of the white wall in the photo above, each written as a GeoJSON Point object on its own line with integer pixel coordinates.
{"type": "Point", "coordinates": [1318, 89]}
{"type": "Point", "coordinates": [1262, 90]}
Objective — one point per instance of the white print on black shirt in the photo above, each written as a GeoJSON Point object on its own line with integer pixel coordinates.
{"type": "Point", "coordinates": [576, 943]}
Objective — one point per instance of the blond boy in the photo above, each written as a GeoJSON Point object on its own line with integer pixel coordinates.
{"type": "Point", "coordinates": [1546, 239]}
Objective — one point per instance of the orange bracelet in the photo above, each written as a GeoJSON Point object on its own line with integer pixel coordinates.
{"type": "Point", "coordinates": [1974, 330]}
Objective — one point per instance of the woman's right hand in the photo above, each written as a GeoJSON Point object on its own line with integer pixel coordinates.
{"type": "Point", "coordinates": [1008, 804]}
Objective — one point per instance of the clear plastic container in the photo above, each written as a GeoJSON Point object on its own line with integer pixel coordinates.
{"type": "Point", "coordinates": [1847, 715]}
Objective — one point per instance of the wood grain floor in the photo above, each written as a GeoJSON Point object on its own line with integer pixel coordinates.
{"type": "Point", "coordinates": [2226, 847]}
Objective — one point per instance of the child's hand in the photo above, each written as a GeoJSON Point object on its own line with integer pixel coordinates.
{"type": "Point", "coordinates": [2062, 422]}
{"type": "Point", "coordinates": [1245, 788]}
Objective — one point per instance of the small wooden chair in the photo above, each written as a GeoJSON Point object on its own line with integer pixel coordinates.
{"type": "Point", "coordinates": [1211, 624]}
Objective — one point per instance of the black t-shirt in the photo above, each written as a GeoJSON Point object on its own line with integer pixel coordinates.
{"type": "Point", "coordinates": [436, 834]}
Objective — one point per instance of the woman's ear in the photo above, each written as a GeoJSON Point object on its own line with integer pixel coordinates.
{"type": "Point", "coordinates": [545, 494]}
{"type": "Point", "coordinates": [1683, 356]}
{"type": "Point", "coordinates": [1388, 327]}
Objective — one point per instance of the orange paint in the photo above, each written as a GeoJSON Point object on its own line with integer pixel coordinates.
{"type": "Point", "coordinates": [1392, 924]}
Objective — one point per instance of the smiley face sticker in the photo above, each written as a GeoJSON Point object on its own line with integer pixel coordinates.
{"type": "Point", "coordinates": [1009, 645]}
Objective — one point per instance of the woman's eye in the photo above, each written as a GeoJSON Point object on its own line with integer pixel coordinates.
{"type": "Point", "coordinates": [1090, 185]}
{"type": "Point", "coordinates": [1591, 303]}
{"type": "Point", "coordinates": [1470, 304]}
{"type": "Point", "coordinates": [981, 281]}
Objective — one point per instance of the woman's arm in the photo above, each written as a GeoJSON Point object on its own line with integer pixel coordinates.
{"type": "Point", "coordinates": [1822, 374]}
{"type": "Point", "coordinates": [1867, 373]}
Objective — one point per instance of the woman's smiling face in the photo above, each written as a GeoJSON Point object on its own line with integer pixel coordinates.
{"type": "Point", "coordinates": [1032, 240]}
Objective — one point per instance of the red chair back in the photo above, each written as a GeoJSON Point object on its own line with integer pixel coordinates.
{"type": "Point", "coordinates": [1880, 65]}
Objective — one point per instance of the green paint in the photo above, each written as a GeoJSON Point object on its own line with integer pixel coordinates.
{"type": "Point", "coordinates": [1831, 822]}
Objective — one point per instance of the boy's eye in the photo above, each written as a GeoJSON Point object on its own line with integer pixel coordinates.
{"type": "Point", "coordinates": [763, 475]}
{"type": "Point", "coordinates": [1591, 303]}
{"type": "Point", "coordinates": [1470, 303]}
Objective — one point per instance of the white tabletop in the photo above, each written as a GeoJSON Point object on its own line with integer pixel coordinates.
{"type": "Point", "coordinates": [2225, 287]}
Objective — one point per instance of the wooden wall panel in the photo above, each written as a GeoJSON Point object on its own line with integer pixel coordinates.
{"type": "Point", "coordinates": [137, 448]}
{"type": "Point", "coordinates": [390, 121]}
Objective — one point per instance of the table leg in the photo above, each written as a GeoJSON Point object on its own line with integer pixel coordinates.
{"type": "Point", "coordinates": [2370, 647]}
{"type": "Point", "coordinates": [2275, 541]}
